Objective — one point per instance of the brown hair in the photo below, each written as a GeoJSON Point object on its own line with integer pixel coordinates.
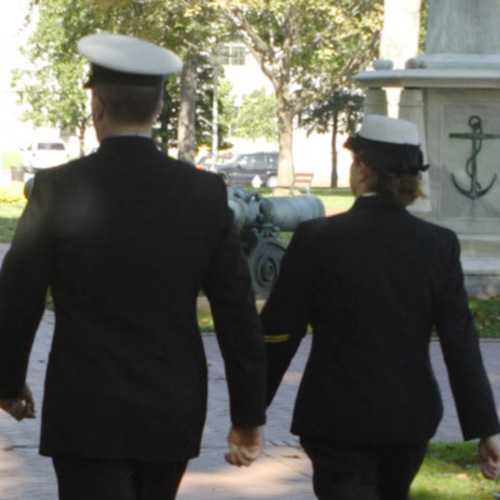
{"type": "Point", "coordinates": [129, 104]}
{"type": "Point", "coordinates": [399, 188]}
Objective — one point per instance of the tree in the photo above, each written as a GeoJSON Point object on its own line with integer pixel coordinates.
{"type": "Point", "coordinates": [257, 116]}
{"type": "Point", "coordinates": [340, 113]}
{"type": "Point", "coordinates": [187, 27]}
{"type": "Point", "coordinates": [52, 89]}
{"type": "Point", "coordinates": [227, 111]}
{"type": "Point", "coordinates": [306, 49]}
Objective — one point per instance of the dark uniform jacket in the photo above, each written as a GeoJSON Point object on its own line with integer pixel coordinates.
{"type": "Point", "coordinates": [373, 283]}
{"type": "Point", "coordinates": [126, 238]}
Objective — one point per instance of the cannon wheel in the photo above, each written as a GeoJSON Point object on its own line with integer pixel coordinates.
{"type": "Point", "coordinates": [264, 262]}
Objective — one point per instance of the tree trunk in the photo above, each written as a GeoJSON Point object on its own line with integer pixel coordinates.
{"type": "Point", "coordinates": [187, 113]}
{"type": "Point", "coordinates": [81, 137]}
{"type": "Point", "coordinates": [285, 141]}
{"type": "Point", "coordinates": [334, 181]}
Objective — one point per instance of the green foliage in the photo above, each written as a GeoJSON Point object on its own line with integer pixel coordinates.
{"type": "Point", "coordinates": [227, 109]}
{"type": "Point", "coordinates": [12, 193]}
{"type": "Point", "coordinates": [257, 116]}
{"type": "Point", "coordinates": [204, 110]}
{"type": "Point", "coordinates": [52, 89]}
{"type": "Point", "coordinates": [424, 11]}
{"type": "Point", "coordinates": [342, 110]}
{"type": "Point", "coordinates": [486, 313]}
{"type": "Point", "coordinates": [310, 48]}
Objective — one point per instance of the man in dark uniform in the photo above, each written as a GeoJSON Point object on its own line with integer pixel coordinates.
{"type": "Point", "coordinates": [373, 283]}
{"type": "Point", "coordinates": [126, 238]}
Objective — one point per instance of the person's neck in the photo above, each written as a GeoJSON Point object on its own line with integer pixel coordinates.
{"type": "Point", "coordinates": [362, 190]}
{"type": "Point", "coordinates": [117, 130]}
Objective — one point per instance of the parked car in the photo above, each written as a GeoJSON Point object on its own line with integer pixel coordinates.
{"type": "Point", "coordinates": [44, 154]}
{"type": "Point", "coordinates": [204, 160]}
{"type": "Point", "coordinates": [251, 169]}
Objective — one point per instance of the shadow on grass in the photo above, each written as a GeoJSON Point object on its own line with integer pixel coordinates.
{"type": "Point", "coordinates": [332, 192]}
{"type": "Point", "coordinates": [7, 229]}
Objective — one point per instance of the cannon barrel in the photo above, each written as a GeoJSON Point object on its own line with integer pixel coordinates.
{"type": "Point", "coordinates": [288, 212]}
{"type": "Point", "coordinates": [251, 210]}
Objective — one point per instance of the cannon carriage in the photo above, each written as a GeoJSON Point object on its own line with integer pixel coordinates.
{"type": "Point", "coordinates": [260, 222]}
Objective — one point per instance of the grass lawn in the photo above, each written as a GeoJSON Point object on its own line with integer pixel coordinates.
{"type": "Point", "coordinates": [335, 200]}
{"type": "Point", "coordinates": [450, 472]}
{"type": "Point", "coordinates": [11, 159]}
{"type": "Point", "coordinates": [9, 216]}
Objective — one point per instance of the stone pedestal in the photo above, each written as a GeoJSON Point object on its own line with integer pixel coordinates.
{"type": "Point", "coordinates": [375, 102]}
{"type": "Point", "coordinates": [442, 103]}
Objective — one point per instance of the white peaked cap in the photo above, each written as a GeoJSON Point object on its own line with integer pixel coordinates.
{"type": "Point", "coordinates": [125, 54]}
{"type": "Point", "coordinates": [390, 130]}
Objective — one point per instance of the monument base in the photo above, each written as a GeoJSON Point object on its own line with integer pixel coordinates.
{"type": "Point", "coordinates": [482, 277]}
{"type": "Point", "coordinates": [481, 265]}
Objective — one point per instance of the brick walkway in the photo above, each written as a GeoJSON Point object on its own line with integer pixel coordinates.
{"type": "Point", "coordinates": [283, 473]}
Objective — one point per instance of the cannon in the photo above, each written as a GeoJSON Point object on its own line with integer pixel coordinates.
{"type": "Point", "coordinates": [260, 221]}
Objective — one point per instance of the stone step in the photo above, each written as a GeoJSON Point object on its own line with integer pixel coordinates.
{"type": "Point", "coordinates": [480, 246]}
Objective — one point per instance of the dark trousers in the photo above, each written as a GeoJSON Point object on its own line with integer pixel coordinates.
{"type": "Point", "coordinates": [346, 471]}
{"type": "Point", "coordinates": [92, 479]}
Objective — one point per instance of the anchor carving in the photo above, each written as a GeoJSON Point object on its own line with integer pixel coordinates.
{"type": "Point", "coordinates": [477, 137]}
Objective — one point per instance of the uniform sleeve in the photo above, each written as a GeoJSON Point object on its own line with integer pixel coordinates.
{"type": "Point", "coordinates": [237, 325]}
{"type": "Point", "coordinates": [287, 311]}
{"type": "Point", "coordinates": [24, 280]}
{"type": "Point", "coordinates": [459, 341]}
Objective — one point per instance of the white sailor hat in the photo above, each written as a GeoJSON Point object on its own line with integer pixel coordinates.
{"type": "Point", "coordinates": [124, 60]}
{"type": "Point", "coordinates": [396, 139]}
{"type": "Point", "coordinates": [392, 130]}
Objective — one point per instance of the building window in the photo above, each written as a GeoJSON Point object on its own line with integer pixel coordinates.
{"type": "Point", "coordinates": [233, 54]}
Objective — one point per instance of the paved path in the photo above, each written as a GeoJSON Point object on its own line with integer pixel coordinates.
{"type": "Point", "coordinates": [283, 473]}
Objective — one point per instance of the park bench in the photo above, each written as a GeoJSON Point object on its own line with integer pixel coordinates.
{"type": "Point", "coordinates": [301, 182]}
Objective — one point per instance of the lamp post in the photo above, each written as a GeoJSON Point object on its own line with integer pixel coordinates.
{"type": "Point", "coordinates": [216, 61]}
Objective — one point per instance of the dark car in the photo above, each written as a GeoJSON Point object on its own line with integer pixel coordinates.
{"type": "Point", "coordinates": [251, 169]}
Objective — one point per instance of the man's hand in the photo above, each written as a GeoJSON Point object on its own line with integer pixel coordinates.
{"type": "Point", "coordinates": [21, 407]}
{"type": "Point", "coordinates": [489, 456]}
{"type": "Point", "coordinates": [245, 445]}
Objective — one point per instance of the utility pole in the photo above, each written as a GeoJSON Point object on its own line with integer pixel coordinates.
{"type": "Point", "coordinates": [215, 118]}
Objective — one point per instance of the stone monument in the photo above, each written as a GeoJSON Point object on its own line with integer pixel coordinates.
{"type": "Point", "coordinates": [452, 93]}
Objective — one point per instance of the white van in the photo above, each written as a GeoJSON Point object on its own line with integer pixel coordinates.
{"type": "Point", "coordinates": [44, 154]}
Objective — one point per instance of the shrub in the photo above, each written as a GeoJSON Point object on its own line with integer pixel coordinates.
{"type": "Point", "coordinates": [12, 193]}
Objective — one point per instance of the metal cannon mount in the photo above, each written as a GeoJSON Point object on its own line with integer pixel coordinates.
{"type": "Point", "coordinates": [260, 222]}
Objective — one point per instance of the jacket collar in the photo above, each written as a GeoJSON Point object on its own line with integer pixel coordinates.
{"type": "Point", "coordinates": [371, 202]}
{"type": "Point", "coordinates": [121, 142]}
